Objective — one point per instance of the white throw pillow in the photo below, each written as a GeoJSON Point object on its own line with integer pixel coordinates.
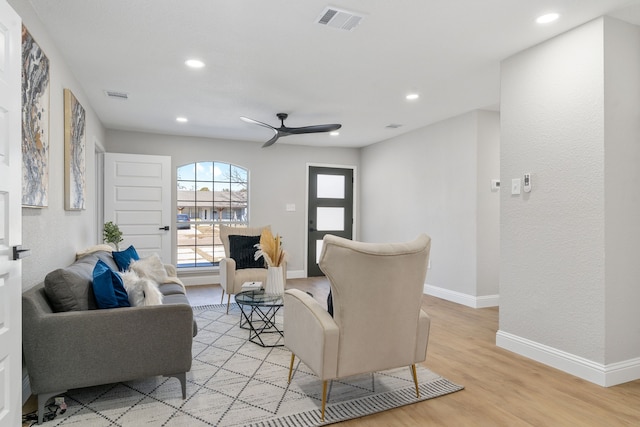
{"type": "Point", "coordinates": [141, 291]}
{"type": "Point", "coordinates": [150, 267]}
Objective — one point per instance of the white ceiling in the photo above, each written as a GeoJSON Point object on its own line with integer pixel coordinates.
{"type": "Point", "coordinates": [264, 57]}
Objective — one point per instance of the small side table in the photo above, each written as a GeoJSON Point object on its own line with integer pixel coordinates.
{"type": "Point", "coordinates": [258, 315]}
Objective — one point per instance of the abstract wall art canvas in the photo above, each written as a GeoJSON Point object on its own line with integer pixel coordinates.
{"type": "Point", "coordinates": [74, 153]}
{"type": "Point", "coordinates": [35, 123]}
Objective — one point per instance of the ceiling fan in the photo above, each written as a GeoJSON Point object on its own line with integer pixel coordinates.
{"type": "Point", "coordinates": [285, 131]}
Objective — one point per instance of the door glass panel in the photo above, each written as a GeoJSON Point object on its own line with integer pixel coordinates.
{"type": "Point", "coordinates": [330, 219]}
{"type": "Point", "coordinates": [330, 187]}
{"type": "Point", "coordinates": [318, 250]}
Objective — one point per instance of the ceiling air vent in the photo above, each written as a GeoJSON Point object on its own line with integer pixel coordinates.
{"type": "Point", "coordinates": [339, 18]}
{"type": "Point", "coordinates": [123, 96]}
{"type": "Point", "coordinates": [393, 126]}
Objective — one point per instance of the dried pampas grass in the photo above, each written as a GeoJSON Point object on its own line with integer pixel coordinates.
{"type": "Point", "coordinates": [270, 248]}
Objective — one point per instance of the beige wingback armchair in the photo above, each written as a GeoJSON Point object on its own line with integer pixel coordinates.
{"type": "Point", "coordinates": [231, 279]}
{"type": "Point", "coordinates": [377, 322]}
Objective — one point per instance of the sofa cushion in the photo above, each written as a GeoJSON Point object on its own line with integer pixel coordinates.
{"type": "Point", "coordinates": [107, 258]}
{"type": "Point", "coordinates": [171, 288]}
{"type": "Point", "coordinates": [108, 287]}
{"type": "Point", "coordinates": [124, 258]}
{"type": "Point", "coordinates": [69, 288]}
{"type": "Point", "coordinates": [242, 249]}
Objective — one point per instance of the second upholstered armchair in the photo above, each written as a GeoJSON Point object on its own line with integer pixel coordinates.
{"type": "Point", "coordinates": [239, 265]}
{"type": "Point", "coordinates": [377, 322]}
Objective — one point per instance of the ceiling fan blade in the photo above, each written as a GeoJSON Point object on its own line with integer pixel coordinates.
{"type": "Point", "coordinates": [255, 122]}
{"type": "Point", "coordinates": [275, 131]}
{"type": "Point", "coordinates": [271, 141]}
{"type": "Point", "coordinates": [310, 129]}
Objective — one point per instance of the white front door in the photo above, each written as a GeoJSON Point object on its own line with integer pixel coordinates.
{"type": "Point", "coordinates": [137, 197]}
{"type": "Point", "coordinates": [10, 218]}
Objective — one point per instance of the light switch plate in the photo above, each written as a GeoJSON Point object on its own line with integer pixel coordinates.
{"type": "Point", "coordinates": [515, 186]}
{"type": "Point", "coordinates": [291, 207]}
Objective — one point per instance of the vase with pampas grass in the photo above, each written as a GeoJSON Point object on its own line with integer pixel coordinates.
{"type": "Point", "coordinates": [270, 248]}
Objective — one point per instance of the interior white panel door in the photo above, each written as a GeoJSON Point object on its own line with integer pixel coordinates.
{"type": "Point", "coordinates": [137, 197]}
{"type": "Point", "coordinates": [10, 218]}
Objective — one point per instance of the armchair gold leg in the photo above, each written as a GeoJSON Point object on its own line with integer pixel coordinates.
{"type": "Point", "coordinates": [415, 379]}
{"type": "Point", "coordinates": [228, 302]}
{"type": "Point", "coordinates": [324, 397]}
{"type": "Point", "coordinates": [293, 356]}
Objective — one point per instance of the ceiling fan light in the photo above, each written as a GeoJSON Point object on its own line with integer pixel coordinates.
{"type": "Point", "coordinates": [182, 119]}
{"type": "Point", "coordinates": [412, 96]}
{"type": "Point", "coordinates": [334, 133]}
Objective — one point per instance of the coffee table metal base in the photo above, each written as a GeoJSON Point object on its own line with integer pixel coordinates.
{"type": "Point", "coordinates": [258, 315]}
{"type": "Point", "coordinates": [260, 321]}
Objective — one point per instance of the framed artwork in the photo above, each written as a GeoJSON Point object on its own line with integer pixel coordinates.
{"type": "Point", "coordinates": [35, 123]}
{"type": "Point", "coordinates": [74, 153]}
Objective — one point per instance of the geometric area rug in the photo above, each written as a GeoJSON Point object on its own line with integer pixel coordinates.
{"type": "Point", "coordinates": [234, 382]}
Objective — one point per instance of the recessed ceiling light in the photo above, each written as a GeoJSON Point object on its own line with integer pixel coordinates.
{"type": "Point", "coordinates": [334, 133]}
{"type": "Point", "coordinates": [412, 96]}
{"type": "Point", "coordinates": [549, 17]}
{"type": "Point", "coordinates": [194, 63]}
{"type": "Point", "coordinates": [181, 119]}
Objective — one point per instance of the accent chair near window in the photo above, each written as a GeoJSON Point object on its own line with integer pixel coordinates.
{"type": "Point", "coordinates": [239, 266]}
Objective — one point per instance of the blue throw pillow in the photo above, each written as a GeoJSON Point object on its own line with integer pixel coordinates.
{"type": "Point", "coordinates": [108, 287]}
{"type": "Point", "coordinates": [124, 258]}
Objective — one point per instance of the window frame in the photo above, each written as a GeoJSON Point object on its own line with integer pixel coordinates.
{"type": "Point", "coordinates": [221, 202]}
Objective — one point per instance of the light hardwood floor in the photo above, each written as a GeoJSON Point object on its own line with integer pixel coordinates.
{"type": "Point", "coordinates": [501, 388]}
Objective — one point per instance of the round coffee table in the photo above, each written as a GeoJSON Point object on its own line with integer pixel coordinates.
{"type": "Point", "coordinates": [259, 311]}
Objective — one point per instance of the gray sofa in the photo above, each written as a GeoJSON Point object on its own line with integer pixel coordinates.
{"type": "Point", "coordinates": [87, 346]}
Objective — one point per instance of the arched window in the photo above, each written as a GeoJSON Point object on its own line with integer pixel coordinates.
{"type": "Point", "coordinates": [208, 194]}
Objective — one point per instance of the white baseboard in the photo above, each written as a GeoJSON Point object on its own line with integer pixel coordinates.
{"type": "Point", "coordinates": [213, 278]}
{"type": "Point", "coordinates": [603, 375]}
{"type": "Point", "coordinates": [464, 299]}
{"type": "Point", "coordinates": [296, 274]}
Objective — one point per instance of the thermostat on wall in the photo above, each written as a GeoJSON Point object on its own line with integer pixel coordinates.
{"type": "Point", "coordinates": [527, 183]}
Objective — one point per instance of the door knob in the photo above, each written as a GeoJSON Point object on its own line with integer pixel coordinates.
{"type": "Point", "coordinates": [165, 228]}
{"type": "Point", "coordinates": [19, 253]}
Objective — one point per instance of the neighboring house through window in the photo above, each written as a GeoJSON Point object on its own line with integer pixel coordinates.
{"type": "Point", "coordinates": [208, 194]}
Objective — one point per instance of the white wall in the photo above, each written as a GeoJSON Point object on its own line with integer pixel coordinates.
{"type": "Point", "coordinates": [622, 201]}
{"type": "Point", "coordinates": [277, 175]}
{"type": "Point", "coordinates": [552, 267]}
{"type": "Point", "coordinates": [568, 278]}
{"type": "Point", "coordinates": [53, 234]}
{"type": "Point", "coordinates": [435, 180]}
{"type": "Point", "coordinates": [488, 205]}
